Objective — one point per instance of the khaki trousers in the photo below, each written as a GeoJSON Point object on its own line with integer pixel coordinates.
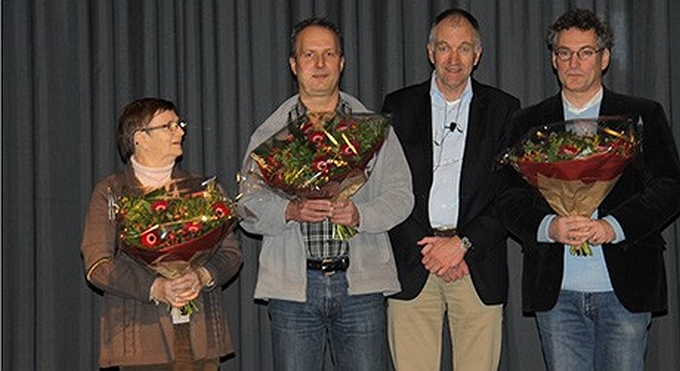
{"type": "Point", "coordinates": [415, 328]}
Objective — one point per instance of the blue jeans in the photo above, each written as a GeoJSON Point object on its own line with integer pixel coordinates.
{"type": "Point", "coordinates": [353, 326]}
{"type": "Point", "coordinates": [593, 331]}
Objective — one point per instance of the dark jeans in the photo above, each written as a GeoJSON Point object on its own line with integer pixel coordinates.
{"type": "Point", "coordinates": [593, 331]}
{"type": "Point", "coordinates": [354, 326]}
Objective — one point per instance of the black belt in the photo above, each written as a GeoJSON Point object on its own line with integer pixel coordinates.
{"type": "Point", "coordinates": [444, 232]}
{"type": "Point", "coordinates": [329, 265]}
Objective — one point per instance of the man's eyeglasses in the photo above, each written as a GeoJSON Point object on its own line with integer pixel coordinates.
{"type": "Point", "coordinates": [170, 126]}
{"type": "Point", "coordinates": [584, 54]}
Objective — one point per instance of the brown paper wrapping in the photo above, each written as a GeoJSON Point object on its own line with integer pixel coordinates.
{"type": "Point", "coordinates": [574, 197]}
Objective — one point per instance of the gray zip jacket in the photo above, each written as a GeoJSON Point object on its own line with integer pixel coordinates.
{"type": "Point", "coordinates": [383, 202]}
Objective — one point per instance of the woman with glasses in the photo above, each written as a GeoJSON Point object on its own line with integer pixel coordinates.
{"type": "Point", "coordinates": [136, 332]}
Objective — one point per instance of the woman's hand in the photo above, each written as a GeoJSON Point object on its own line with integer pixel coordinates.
{"type": "Point", "coordinates": [177, 292]}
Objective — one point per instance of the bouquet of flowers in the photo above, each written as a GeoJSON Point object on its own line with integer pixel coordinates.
{"type": "Point", "coordinates": [174, 228]}
{"type": "Point", "coordinates": [575, 163]}
{"type": "Point", "coordinates": [321, 156]}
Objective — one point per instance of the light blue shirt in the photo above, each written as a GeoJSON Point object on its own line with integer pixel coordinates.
{"type": "Point", "coordinates": [584, 273]}
{"type": "Point", "coordinates": [449, 129]}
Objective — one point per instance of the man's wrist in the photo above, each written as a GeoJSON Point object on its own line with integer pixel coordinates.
{"type": "Point", "coordinates": [465, 243]}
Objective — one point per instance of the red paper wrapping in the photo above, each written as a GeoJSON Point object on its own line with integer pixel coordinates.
{"type": "Point", "coordinates": [575, 163]}
{"type": "Point", "coordinates": [174, 228]}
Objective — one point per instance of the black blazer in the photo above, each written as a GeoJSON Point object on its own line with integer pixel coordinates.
{"type": "Point", "coordinates": [490, 111]}
{"type": "Point", "coordinates": [644, 201]}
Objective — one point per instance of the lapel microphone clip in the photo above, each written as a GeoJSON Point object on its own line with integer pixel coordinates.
{"type": "Point", "coordinates": [453, 127]}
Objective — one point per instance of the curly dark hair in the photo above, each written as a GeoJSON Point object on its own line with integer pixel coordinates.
{"type": "Point", "coordinates": [584, 20]}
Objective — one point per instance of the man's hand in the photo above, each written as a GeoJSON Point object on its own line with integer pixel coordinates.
{"type": "Point", "coordinates": [570, 230]}
{"type": "Point", "coordinates": [456, 272]}
{"type": "Point", "coordinates": [345, 212]}
{"type": "Point", "coordinates": [601, 232]}
{"type": "Point", "coordinates": [312, 211]}
{"type": "Point", "coordinates": [441, 253]}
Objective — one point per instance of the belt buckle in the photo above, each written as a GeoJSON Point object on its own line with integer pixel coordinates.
{"type": "Point", "coordinates": [327, 265]}
{"type": "Point", "coordinates": [330, 266]}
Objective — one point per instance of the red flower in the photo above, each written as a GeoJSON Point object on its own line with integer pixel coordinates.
{"type": "Point", "coordinates": [150, 239]}
{"type": "Point", "coordinates": [306, 127]}
{"type": "Point", "coordinates": [221, 210]}
{"type": "Point", "coordinates": [345, 125]}
{"type": "Point", "coordinates": [316, 137]}
{"type": "Point", "coordinates": [350, 149]}
{"type": "Point", "coordinates": [321, 164]}
{"type": "Point", "coordinates": [192, 227]}
{"type": "Point", "coordinates": [159, 206]}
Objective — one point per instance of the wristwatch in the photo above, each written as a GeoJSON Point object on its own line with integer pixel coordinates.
{"type": "Point", "coordinates": [465, 242]}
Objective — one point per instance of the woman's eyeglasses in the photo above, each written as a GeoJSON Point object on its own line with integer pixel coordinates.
{"type": "Point", "coordinates": [170, 126]}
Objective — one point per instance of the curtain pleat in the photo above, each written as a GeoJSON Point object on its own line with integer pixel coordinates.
{"type": "Point", "coordinates": [69, 66]}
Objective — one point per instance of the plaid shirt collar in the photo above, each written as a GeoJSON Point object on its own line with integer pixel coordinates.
{"type": "Point", "coordinates": [299, 109]}
{"type": "Point", "coordinates": [319, 236]}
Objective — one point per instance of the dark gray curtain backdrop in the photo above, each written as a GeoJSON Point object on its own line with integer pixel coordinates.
{"type": "Point", "coordinates": [69, 66]}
